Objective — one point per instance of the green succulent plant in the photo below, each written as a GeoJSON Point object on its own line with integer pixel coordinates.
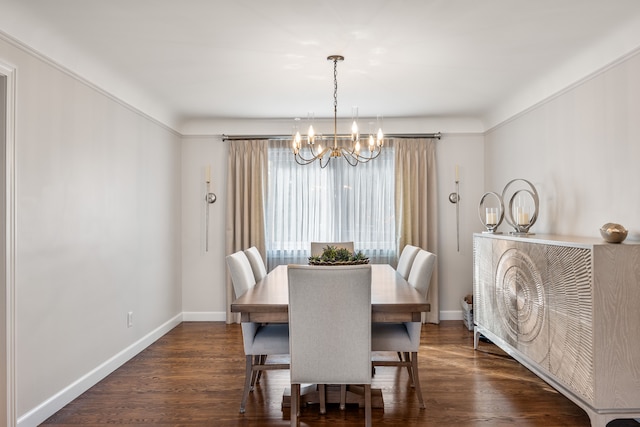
{"type": "Point", "coordinates": [343, 254]}
{"type": "Point", "coordinates": [331, 254]}
{"type": "Point", "coordinates": [358, 256]}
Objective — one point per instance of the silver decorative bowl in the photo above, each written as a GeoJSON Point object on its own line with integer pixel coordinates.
{"type": "Point", "coordinates": [613, 233]}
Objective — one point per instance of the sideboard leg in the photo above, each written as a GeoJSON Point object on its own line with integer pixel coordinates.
{"type": "Point", "coordinates": [476, 337]}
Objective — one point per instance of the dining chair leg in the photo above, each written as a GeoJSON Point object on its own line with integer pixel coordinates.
{"type": "Point", "coordinates": [322, 393]}
{"type": "Point", "coordinates": [407, 359]}
{"type": "Point", "coordinates": [247, 383]}
{"type": "Point", "coordinates": [416, 378]}
{"type": "Point", "coordinates": [255, 374]}
{"type": "Point", "coordinates": [295, 404]}
{"type": "Point", "coordinates": [343, 397]}
{"type": "Point", "coordinates": [367, 405]}
{"type": "Point", "coordinates": [263, 360]}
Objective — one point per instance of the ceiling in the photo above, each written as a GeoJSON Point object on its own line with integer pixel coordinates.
{"type": "Point", "coordinates": [211, 59]}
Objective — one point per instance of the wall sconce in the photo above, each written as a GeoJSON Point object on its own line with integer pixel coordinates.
{"type": "Point", "coordinates": [209, 199]}
{"type": "Point", "coordinates": [455, 199]}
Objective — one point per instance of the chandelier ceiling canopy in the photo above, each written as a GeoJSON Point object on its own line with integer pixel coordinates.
{"type": "Point", "coordinates": [308, 149]}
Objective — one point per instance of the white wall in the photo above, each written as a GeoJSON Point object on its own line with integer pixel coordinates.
{"type": "Point", "coordinates": [455, 268]}
{"type": "Point", "coordinates": [97, 234]}
{"type": "Point", "coordinates": [581, 149]}
{"type": "Point", "coordinates": [203, 272]}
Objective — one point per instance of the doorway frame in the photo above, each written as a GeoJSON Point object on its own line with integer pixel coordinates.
{"type": "Point", "coordinates": [8, 309]}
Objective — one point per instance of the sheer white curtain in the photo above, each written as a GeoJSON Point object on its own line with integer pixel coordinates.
{"type": "Point", "coordinates": [337, 203]}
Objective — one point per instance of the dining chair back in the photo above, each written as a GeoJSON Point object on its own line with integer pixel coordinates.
{"type": "Point", "coordinates": [407, 256]}
{"type": "Point", "coordinates": [318, 247]}
{"type": "Point", "coordinates": [241, 273]}
{"type": "Point", "coordinates": [260, 340]}
{"type": "Point", "coordinates": [421, 271]}
{"type": "Point", "coordinates": [330, 328]}
{"type": "Point", "coordinates": [257, 263]}
{"type": "Point", "coordinates": [404, 338]}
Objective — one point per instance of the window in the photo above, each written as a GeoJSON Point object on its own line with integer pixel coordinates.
{"type": "Point", "coordinates": [337, 203]}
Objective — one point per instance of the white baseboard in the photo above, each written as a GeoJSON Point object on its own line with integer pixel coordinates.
{"type": "Point", "coordinates": [451, 315]}
{"type": "Point", "coordinates": [56, 402]}
{"type": "Point", "coordinates": [204, 316]}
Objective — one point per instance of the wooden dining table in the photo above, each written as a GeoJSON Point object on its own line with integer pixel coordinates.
{"type": "Point", "coordinates": [393, 299]}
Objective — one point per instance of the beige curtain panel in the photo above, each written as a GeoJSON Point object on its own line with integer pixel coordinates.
{"type": "Point", "coordinates": [246, 184]}
{"type": "Point", "coordinates": [417, 204]}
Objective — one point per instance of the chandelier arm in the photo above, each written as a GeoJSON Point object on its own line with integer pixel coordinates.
{"type": "Point", "coordinates": [314, 156]}
{"type": "Point", "coordinates": [322, 166]}
{"type": "Point", "coordinates": [350, 158]}
{"type": "Point", "coordinates": [306, 160]}
{"type": "Point", "coordinates": [374, 154]}
{"type": "Point", "coordinates": [361, 157]}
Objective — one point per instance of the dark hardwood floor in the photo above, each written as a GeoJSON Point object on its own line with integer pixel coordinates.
{"type": "Point", "coordinates": [193, 376]}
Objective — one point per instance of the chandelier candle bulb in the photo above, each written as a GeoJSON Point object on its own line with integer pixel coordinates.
{"type": "Point", "coordinates": [355, 133]}
{"type": "Point", "coordinates": [312, 134]}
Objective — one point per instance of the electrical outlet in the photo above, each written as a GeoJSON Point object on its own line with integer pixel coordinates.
{"type": "Point", "coordinates": [130, 319]}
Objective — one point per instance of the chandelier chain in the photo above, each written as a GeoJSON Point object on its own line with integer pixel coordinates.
{"type": "Point", "coordinates": [335, 85]}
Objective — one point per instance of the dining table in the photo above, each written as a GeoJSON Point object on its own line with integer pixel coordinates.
{"type": "Point", "coordinates": [393, 299]}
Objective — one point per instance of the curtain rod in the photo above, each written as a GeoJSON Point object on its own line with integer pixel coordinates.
{"type": "Point", "coordinates": [436, 135]}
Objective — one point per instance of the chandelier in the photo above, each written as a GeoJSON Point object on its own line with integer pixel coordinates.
{"type": "Point", "coordinates": [353, 153]}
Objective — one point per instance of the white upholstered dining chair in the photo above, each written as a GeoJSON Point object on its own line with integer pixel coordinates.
{"type": "Point", "coordinates": [407, 256]}
{"type": "Point", "coordinates": [257, 263]}
{"type": "Point", "coordinates": [330, 330]}
{"type": "Point", "coordinates": [404, 338]}
{"type": "Point", "coordinates": [259, 340]}
{"type": "Point", "coordinates": [318, 247]}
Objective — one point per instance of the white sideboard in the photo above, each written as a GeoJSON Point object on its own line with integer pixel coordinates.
{"type": "Point", "coordinates": [568, 309]}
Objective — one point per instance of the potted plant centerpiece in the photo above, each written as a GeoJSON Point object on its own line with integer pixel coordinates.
{"type": "Point", "coordinates": [338, 256]}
